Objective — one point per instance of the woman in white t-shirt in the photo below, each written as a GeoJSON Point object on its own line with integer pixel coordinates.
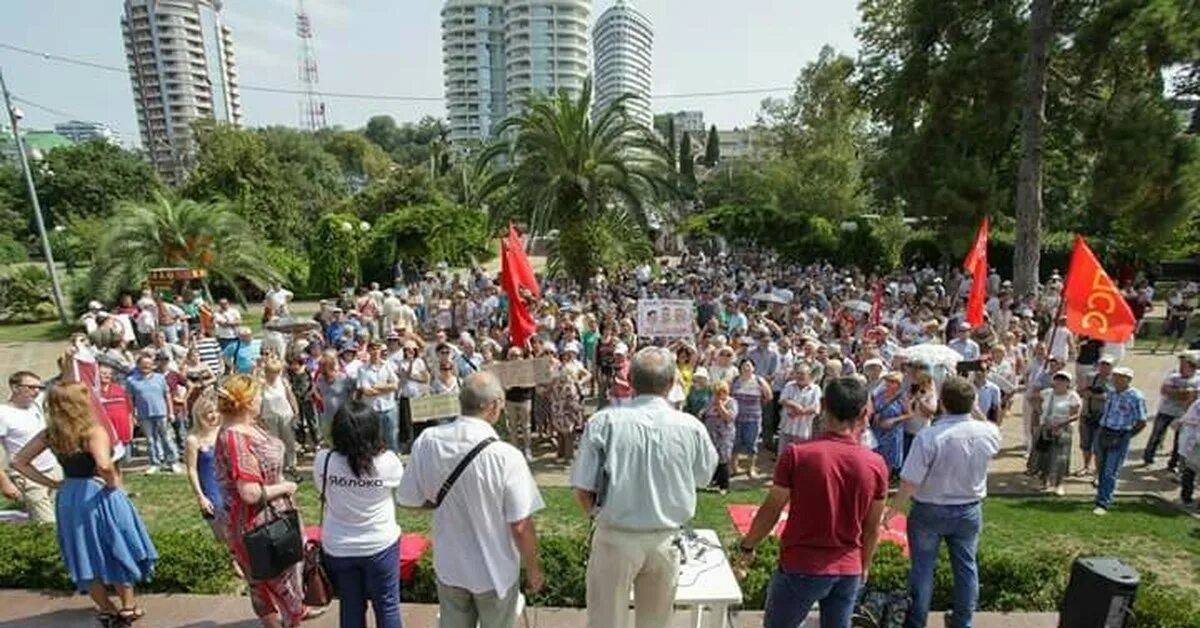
{"type": "Point", "coordinates": [359, 535]}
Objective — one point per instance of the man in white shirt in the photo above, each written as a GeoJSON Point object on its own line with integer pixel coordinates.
{"type": "Point", "coordinates": [962, 343]}
{"type": "Point", "coordinates": [391, 311]}
{"type": "Point", "coordinates": [483, 528]}
{"type": "Point", "coordinates": [227, 320]}
{"type": "Point", "coordinates": [21, 420]}
{"type": "Point", "coordinates": [800, 403]}
{"type": "Point", "coordinates": [277, 300]}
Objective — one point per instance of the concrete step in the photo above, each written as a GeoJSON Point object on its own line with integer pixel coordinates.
{"type": "Point", "coordinates": [31, 609]}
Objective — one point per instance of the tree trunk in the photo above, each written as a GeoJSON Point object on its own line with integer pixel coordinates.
{"type": "Point", "coordinates": [1027, 251]}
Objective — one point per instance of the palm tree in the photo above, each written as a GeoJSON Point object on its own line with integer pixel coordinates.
{"type": "Point", "coordinates": [178, 233]}
{"type": "Point", "coordinates": [590, 178]}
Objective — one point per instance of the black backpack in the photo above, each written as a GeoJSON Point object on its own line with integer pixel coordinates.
{"type": "Point", "coordinates": [881, 609]}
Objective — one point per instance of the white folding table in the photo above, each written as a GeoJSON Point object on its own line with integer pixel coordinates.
{"type": "Point", "coordinates": [707, 586]}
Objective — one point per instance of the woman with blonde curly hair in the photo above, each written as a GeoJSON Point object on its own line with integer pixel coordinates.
{"type": "Point", "coordinates": [249, 463]}
{"type": "Point", "coordinates": [100, 536]}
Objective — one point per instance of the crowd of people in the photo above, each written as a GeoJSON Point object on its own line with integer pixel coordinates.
{"type": "Point", "coordinates": [846, 383]}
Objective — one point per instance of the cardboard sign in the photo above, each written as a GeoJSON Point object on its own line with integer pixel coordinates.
{"type": "Point", "coordinates": [522, 373]}
{"type": "Point", "coordinates": [665, 318]}
{"type": "Point", "coordinates": [434, 407]}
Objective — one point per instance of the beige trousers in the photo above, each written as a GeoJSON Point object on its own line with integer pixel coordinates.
{"type": "Point", "coordinates": [39, 500]}
{"type": "Point", "coordinates": [518, 414]}
{"type": "Point", "coordinates": [459, 608]}
{"type": "Point", "coordinates": [621, 560]}
{"type": "Point", "coordinates": [282, 428]}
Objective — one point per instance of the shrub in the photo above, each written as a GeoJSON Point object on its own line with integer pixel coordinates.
{"type": "Point", "coordinates": [25, 295]}
{"type": "Point", "coordinates": [292, 267]}
{"type": "Point", "coordinates": [11, 251]}
{"type": "Point", "coordinates": [1010, 579]}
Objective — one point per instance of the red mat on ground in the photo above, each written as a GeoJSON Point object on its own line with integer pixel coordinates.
{"type": "Point", "coordinates": [742, 515]}
{"type": "Point", "coordinates": [412, 548]}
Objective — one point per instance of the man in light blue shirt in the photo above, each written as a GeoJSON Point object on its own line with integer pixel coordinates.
{"type": "Point", "coordinates": [1124, 417]}
{"type": "Point", "coordinates": [378, 383]}
{"type": "Point", "coordinates": [945, 475]}
{"type": "Point", "coordinates": [152, 406]}
{"type": "Point", "coordinates": [962, 343]}
{"type": "Point", "coordinates": [637, 472]}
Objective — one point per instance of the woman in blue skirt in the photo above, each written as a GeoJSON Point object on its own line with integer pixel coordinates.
{"type": "Point", "coordinates": [100, 536]}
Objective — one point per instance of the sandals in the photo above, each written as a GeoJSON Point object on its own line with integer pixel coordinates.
{"type": "Point", "coordinates": [130, 615]}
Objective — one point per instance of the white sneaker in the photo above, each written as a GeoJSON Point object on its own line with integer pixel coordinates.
{"type": "Point", "coordinates": [1060, 490]}
{"type": "Point", "coordinates": [151, 470]}
{"type": "Point", "coordinates": [1100, 511]}
{"type": "Point", "coordinates": [176, 468]}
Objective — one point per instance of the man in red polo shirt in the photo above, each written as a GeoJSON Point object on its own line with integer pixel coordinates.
{"type": "Point", "coordinates": [837, 489]}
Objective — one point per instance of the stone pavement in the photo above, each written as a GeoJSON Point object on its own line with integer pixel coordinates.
{"type": "Point", "coordinates": [27, 609]}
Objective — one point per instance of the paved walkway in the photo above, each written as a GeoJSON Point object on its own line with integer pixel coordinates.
{"type": "Point", "coordinates": [26, 609]}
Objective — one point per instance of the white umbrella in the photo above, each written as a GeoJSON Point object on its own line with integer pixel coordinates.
{"type": "Point", "coordinates": [857, 305]}
{"type": "Point", "coordinates": [767, 297]}
{"type": "Point", "coordinates": [934, 355]}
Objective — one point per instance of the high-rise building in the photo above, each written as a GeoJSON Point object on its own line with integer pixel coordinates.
{"type": "Point", "coordinates": [497, 52]}
{"type": "Point", "coordinates": [623, 41]}
{"type": "Point", "coordinates": [474, 65]}
{"type": "Point", "coordinates": [78, 131]}
{"type": "Point", "coordinates": [181, 65]}
{"type": "Point", "coordinates": [546, 43]}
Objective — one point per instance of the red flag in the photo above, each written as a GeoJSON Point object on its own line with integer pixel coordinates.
{"type": "Point", "coordinates": [85, 370]}
{"type": "Point", "coordinates": [1091, 302]}
{"type": "Point", "coordinates": [877, 304]}
{"type": "Point", "coordinates": [976, 264]}
{"type": "Point", "coordinates": [518, 282]}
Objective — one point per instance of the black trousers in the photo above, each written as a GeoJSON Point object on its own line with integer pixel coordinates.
{"type": "Point", "coordinates": [721, 477]}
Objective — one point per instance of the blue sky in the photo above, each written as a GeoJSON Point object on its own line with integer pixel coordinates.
{"type": "Point", "coordinates": [393, 47]}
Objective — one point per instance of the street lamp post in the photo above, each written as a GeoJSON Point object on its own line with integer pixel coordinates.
{"type": "Point", "coordinates": [13, 117]}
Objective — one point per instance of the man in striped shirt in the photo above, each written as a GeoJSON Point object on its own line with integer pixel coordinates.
{"type": "Point", "coordinates": [210, 352]}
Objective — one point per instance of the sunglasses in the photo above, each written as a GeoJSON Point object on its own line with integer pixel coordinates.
{"type": "Point", "coordinates": [31, 386]}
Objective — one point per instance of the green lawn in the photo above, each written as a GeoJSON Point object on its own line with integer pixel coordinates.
{"type": "Point", "coordinates": [1154, 537]}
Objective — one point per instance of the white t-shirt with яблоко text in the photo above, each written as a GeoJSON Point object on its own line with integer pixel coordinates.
{"type": "Point", "coordinates": [360, 512]}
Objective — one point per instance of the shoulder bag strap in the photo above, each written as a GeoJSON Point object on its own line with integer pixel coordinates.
{"type": "Point", "coordinates": [458, 470]}
{"type": "Point", "coordinates": [324, 484]}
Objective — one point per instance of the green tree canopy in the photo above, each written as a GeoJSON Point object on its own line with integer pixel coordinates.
{"type": "Point", "coordinates": [183, 233]}
{"type": "Point", "coordinates": [576, 176]}
{"type": "Point", "coordinates": [90, 178]}
{"type": "Point", "coordinates": [712, 148]}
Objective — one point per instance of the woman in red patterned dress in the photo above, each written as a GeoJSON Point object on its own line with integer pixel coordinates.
{"type": "Point", "coordinates": [249, 463]}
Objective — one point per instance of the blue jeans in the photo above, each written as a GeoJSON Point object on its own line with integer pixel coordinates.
{"type": "Point", "coordinates": [1108, 462]}
{"type": "Point", "coordinates": [791, 595]}
{"type": "Point", "coordinates": [357, 579]}
{"type": "Point", "coordinates": [389, 424]}
{"type": "Point", "coordinates": [928, 524]}
{"type": "Point", "coordinates": [159, 439]}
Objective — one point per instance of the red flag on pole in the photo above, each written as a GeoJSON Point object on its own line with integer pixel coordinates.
{"type": "Point", "coordinates": [84, 369]}
{"type": "Point", "coordinates": [1091, 302]}
{"type": "Point", "coordinates": [518, 282]}
{"type": "Point", "coordinates": [976, 264]}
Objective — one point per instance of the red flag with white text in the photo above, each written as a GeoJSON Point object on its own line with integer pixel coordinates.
{"type": "Point", "coordinates": [1091, 302]}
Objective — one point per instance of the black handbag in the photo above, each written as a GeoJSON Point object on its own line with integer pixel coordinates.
{"type": "Point", "coordinates": [275, 545]}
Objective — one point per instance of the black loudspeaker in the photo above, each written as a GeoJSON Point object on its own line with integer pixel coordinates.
{"type": "Point", "coordinates": [1099, 595]}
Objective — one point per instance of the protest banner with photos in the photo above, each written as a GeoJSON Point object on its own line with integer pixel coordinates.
{"type": "Point", "coordinates": [434, 407]}
{"type": "Point", "coordinates": [665, 318]}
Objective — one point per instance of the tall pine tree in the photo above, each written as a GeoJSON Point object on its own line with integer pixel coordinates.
{"type": "Point", "coordinates": [712, 150]}
{"type": "Point", "coordinates": [687, 167]}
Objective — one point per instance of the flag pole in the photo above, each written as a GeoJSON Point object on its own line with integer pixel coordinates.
{"type": "Point", "coordinates": [1062, 301]}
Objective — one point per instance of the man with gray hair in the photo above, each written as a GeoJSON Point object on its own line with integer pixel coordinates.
{"type": "Point", "coordinates": [483, 496]}
{"type": "Point", "coordinates": [637, 472]}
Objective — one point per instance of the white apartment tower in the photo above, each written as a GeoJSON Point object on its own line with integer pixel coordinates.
{"type": "Point", "coordinates": [181, 65]}
{"type": "Point", "coordinates": [623, 41]}
{"type": "Point", "coordinates": [474, 67]}
{"type": "Point", "coordinates": [497, 52]}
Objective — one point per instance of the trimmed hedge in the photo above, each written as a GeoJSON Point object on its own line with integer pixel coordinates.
{"type": "Point", "coordinates": [1010, 580]}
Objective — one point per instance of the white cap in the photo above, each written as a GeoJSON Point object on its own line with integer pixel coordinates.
{"type": "Point", "coordinates": [621, 349]}
{"type": "Point", "coordinates": [1107, 359]}
{"type": "Point", "coordinates": [572, 347]}
{"type": "Point", "coordinates": [95, 305]}
{"type": "Point", "coordinates": [873, 362]}
{"type": "Point", "coordinates": [1123, 371]}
